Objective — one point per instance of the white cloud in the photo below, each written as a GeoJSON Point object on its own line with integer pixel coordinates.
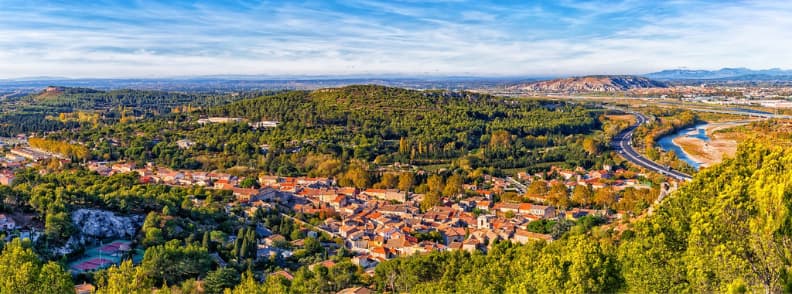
{"type": "Point", "coordinates": [161, 40]}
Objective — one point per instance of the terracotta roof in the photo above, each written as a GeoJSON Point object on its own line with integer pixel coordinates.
{"type": "Point", "coordinates": [284, 274]}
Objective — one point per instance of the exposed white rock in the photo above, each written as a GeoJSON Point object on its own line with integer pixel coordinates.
{"type": "Point", "coordinates": [95, 224]}
{"type": "Point", "coordinates": [101, 224]}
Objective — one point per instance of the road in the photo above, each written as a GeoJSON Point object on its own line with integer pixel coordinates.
{"type": "Point", "coordinates": [622, 143]}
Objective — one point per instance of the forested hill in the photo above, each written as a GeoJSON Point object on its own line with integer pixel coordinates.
{"type": "Point", "coordinates": [729, 230]}
{"type": "Point", "coordinates": [395, 110]}
{"type": "Point", "coordinates": [70, 99]}
{"type": "Point", "coordinates": [32, 113]}
{"type": "Point", "coordinates": [423, 126]}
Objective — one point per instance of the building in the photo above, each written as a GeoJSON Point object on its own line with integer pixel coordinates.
{"type": "Point", "coordinates": [542, 211]}
{"type": "Point", "coordinates": [7, 223]}
{"type": "Point", "coordinates": [123, 167]}
{"type": "Point", "coordinates": [264, 124]}
{"type": "Point", "coordinates": [84, 288]}
{"type": "Point", "coordinates": [219, 120]}
{"type": "Point", "coordinates": [485, 221]}
{"type": "Point", "coordinates": [6, 178]}
{"type": "Point", "coordinates": [356, 290]}
{"type": "Point", "coordinates": [185, 144]}
{"type": "Point", "coordinates": [253, 195]}
{"type": "Point", "coordinates": [523, 236]}
{"type": "Point", "coordinates": [389, 194]}
{"type": "Point", "coordinates": [30, 154]}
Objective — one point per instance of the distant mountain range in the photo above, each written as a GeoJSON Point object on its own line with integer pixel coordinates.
{"type": "Point", "coordinates": [588, 84]}
{"type": "Point", "coordinates": [738, 74]}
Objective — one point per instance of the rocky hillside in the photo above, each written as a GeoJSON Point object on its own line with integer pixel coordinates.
{"type": "Point", "coordinates": [589, 84]}
{"type": "Point", "coordinates": [93, 224]}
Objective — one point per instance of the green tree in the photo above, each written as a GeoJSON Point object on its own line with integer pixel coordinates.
{"type": "Point", "coordinates": [53, 279]}
{"type": "Point", "coordinates": [248, 285]}
{"type": "Point", "coordinates": [124, 279]}
{"type": "Point", "coordinates": [219, 280]}
{"type": "Point", "coordinates": [21, 271]}
{"type": "Point", "coordinates": [249, 182]}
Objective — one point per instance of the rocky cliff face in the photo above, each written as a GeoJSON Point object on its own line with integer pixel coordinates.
{"type": "Point", "coordinates": [100, 224]}
{"type": "Point", "coordinates": [590, 84]}
{"type": "Point", "coordinates": [95, 224]}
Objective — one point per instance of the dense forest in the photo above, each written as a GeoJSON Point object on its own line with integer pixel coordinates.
{"type": "Point", "coordinates": [370, 123]}
{"type": "Point", "coordinates": [35, 112]}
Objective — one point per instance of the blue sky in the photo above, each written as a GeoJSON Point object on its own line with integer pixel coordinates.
{"type": "Point", "coordinates": [360, 37]}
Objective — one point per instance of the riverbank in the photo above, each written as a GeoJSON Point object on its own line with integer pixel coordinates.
{"type": "Point", "coordinates": [712, 149]}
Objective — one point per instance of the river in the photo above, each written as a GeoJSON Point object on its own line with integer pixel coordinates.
{"type": "Point", "coordinates": [667, 143]}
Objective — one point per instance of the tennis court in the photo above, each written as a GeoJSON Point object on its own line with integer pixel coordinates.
{"type": "Point", "coordinates": [115, 247]}
{"type": "Point", "coordinates": [103, 256]}
{"type": "Point", "coordinates": [91, 264]}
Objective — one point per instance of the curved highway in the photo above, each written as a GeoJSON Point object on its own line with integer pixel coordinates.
{"type": "Point", "coordinates": [622, 143]}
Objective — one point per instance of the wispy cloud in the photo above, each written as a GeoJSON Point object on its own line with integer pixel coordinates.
{"type": "Point", "coordinates": [143, 39]}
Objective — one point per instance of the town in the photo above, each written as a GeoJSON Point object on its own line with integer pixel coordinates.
{"type": "Point", "coordinates": [380, 224]}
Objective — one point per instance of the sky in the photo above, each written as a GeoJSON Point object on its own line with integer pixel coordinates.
{"type": "Point", "coordinates": [151, 39]}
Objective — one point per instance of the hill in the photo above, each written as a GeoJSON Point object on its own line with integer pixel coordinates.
{"type": "Point", "coordinates": [54, 91]}
{"type": "Point", "coordinates": [28, 113]}
{"type": "Point", "coordinates": [392, 124]}
{"type": "Point", "coordinates": [588, 84]}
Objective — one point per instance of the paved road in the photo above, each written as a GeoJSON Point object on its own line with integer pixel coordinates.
{"type": "Point", "coordinates": [622, 143]}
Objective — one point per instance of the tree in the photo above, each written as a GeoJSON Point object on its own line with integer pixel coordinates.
{"type": "Point", "coordinates": [153, 237]}
{"type": "Point", "coordinates": [124, 279]}
{"type": "Point", "coordinates": [591, 146]}
{"type": "Point", "coordinates": [453, 186]}
{"type": "Point", "coordinates": [583, 265]}
{"type": "Point", "coordinates": [53, 279]}
{"type": "Point", "coordinates": [406, 180]}
{"type": "Point", "coordinates": [174, 262]}
{"type": "Point", "coordinates": [357, 175]}
{"type": "Point", "coordinates": [582, 195]}
{"type": "Point", "coordinates": [430, 200]}
{"type": "Point", "coordinates": [221, 279]}
{"type": "Point", "coordinates": [206, 241]}
{"type": "Point", "coordinates": [558, 195]}
{"type": "Point", "coordinates": [313, 246]}
{"type": "Point", "coordinates": [538, 188]}
{"type": "Point", "coordinates": [500, 139]}
{"type": "Point", "coordinates": [249, 285]}
{"type": "Point", "coordinates": [389, 180]}
{"type": "Point", "coordinates": [652, 153]}
{"type": "Point", "coordinates": [58, 225]}
{"type": "Point", "coordinates": [249, 182]}
{"type": "Point", "coordinates": [605, 197]}
{"type": "Point", "coordinates": [21, 271]}
{"type": "Point", "coordinates": [435, 183]}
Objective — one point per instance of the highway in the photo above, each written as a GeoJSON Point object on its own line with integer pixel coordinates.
{"type": "Point", "coordinates": [622, 143]}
